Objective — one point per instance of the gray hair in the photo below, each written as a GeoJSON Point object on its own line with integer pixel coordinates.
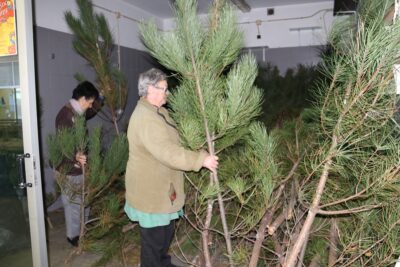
{"type": "Point", "coordinates": [150, 77]}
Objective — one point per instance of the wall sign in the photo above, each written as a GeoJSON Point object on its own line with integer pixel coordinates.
{"type": "Point", "coordinates": [8, 34]}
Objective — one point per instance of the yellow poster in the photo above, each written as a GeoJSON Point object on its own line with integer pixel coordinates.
{"type": "Point", "coordinates": [8, 37]}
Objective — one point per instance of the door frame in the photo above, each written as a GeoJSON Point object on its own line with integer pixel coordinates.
{"type": "Point", "coordinates": [26, 59]}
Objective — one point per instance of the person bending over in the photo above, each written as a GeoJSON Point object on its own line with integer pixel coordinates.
{"type": "Point", "coordinates": [83, 97]}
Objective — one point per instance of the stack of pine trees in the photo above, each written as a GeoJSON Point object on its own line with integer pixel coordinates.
{"type": "Point", "coordinates": [321, 189]}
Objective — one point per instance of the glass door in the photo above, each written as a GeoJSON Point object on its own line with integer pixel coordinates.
{"type": "Point", "coordinates": [22, 231]}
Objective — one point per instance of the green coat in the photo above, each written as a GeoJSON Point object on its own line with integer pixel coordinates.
{"type": "Point", "coordinates": [154, 173]}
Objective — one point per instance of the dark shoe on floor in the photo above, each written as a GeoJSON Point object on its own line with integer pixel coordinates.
{"type": "Point", "coordinates": [73, 241]}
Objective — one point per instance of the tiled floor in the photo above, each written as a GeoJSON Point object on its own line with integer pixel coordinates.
{"type": "Point", "coordinates": [61, 253]}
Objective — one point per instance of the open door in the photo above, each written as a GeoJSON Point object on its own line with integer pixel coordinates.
{"type": "Point", "coordinates": [22, 230]}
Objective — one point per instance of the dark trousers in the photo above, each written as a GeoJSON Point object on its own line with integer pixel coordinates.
{"type": "Point", "coordinates": [155, 246]}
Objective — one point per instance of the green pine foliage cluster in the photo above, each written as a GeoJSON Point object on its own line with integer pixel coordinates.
{"type": "Point", "coordinates": [93, 40]}
{"type": "Point", "coordinates": [103, 183]}
{"type": "Point", "coordinates": [285, 97]}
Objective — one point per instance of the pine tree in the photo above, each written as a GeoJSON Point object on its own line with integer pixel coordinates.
{"type": "Point", "coordinates": [103, 171]}
{"type": "Point", "coordinates": [102, 188]}
{"type": "Point", "coordinates": [215, 106]}
{"type": "Point", "coordinates": [352, 168]}
{"type": "Point", "coordinates": [94, 42]}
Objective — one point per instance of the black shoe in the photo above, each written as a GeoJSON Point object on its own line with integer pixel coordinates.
{"type": "Point", "coordinates": [73, 241]}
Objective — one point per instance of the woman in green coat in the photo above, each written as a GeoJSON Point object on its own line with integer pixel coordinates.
{"type": "Point", "coordinates": [154, 174]}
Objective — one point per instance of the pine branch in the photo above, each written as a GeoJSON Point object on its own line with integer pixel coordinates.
{"type": "Point", "coordinates": [350, 262]}
{"type": "Point", "coordinates": [349, 211]}
{"type": "Point", "coordinates": [333, 242]}
{"type": "Point", "coordinates": [94, 42]}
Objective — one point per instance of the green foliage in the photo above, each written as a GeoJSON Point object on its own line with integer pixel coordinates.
{"type": "Point", "coordinates": [116, 155]}
{"type": "Point", "coordinates": [262, 160]}
{"type": "Point", "coordinates": [216, 96]}
{"type": "Point", "coordinates": [67, 142]}
{"type": "Point", "coordinates": [224, 41]}
{"type": "Point", "coordinates": [111, 242]}
{"type": "Point", "coordinates": [80, 134]}
{"type": "Point", "coordinates": [109, 251]}
{"type": "Point", "coordinates": [213, 50]}
{"type": "Point", "coordinates": [93, 29]}
{"type": "Point", "coordinates": [104, 170]}
{"type": "Point", "coordinates": [243, 99]}
{"type": "Point", "coordinates": [354, 126]}
{"type": "Point", "coordinates": [229, 102]}
{"type": "Point", "coordinates": [96, 175]}
{"type": "Point", "coordinates": [343, 131]}
{"type": "Point", "coordinates": [103, 173]}
{"type": "Point", "coordinates": [285, 97]}
{"type": "Point", "coordinates": [55, 154]}
{"type": "Point", "coordinates": [208, 191]}
{"type": "Point", "coordinates": [67, 138]}
{"type": "Point", "coordinates": [216, 102]}
{"type": "Point", "coordinates": [94, 42]}
{"type": "Point", "coordinates": [241, 255]}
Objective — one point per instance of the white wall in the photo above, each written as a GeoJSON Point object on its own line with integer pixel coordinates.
{"type": "Point", "coordinates": [50, 14]}
{"type": "Point", "coordinates": [290, 26]}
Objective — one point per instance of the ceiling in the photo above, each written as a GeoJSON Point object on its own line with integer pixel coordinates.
{"type": "Point", "coordinates": [162, 8]}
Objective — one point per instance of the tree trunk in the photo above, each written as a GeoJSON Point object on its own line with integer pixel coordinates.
{"type": "Point", "coordinates": [302, 253]}
{"type": "Point", "coordinates": [333, 239]}
{"type": "Point", "coordinates": [205, 234]}
{"type": "Point", "coordinates": [278, 221]}
{"type": "Point", "coordinates": [82, 230]}
{"type": "Point", "coordinates": [260, 238]}
{"type": "Point", "coordinates": [278, 250]}
{"type": "Point", "coordinates": [214, 174]}
{"type": "Point", "coordinates": [294, 252]}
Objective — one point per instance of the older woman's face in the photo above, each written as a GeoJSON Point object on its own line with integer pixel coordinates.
{"type": "Point", "coordinates": [160, 92]}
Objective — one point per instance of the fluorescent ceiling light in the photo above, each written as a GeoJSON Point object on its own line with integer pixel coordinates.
{"type": "Point", "coordinates": [242, 5]}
